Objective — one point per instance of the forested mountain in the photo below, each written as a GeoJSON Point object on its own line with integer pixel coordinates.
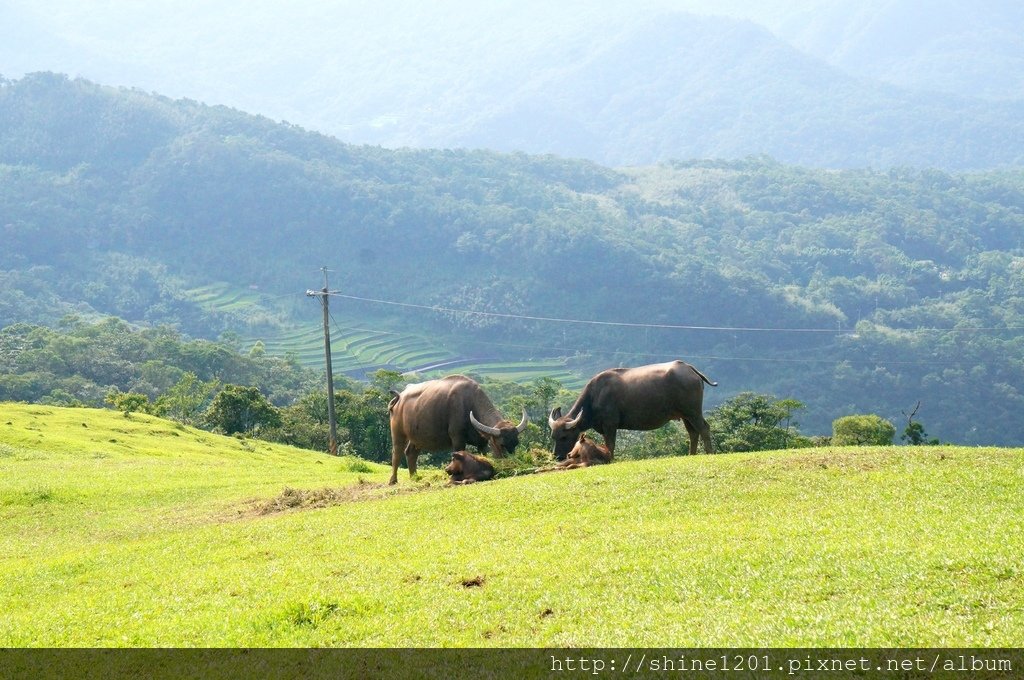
{"type": "Point", "coordinates": [875, 83]}
{"type": "Point", "coordinates": [679, 86]}
{"type": "Point", "coordinates": [852, 291]}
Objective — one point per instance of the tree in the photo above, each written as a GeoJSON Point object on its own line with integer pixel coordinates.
{"type": "Point", "coordinates": [128, 402]}
{"type": "Point", "coordinates": [913, 433]}
{"type": "Point", "coordinates": [364, 422]}
{"type": "Point", "coordinates": [755, 422]}
{"type": "Point", "coordinates": [304, 423]}
{"type": "Point", "coordinates": [258, 350]}
{"type": "Point", "coordinates": [185, 400]}
{"type": "Point", "coordinates": [544, 392]}
{"type": "Point", "coordinates": [386, 380]}
{"type": "Point", "coordinates": [241, 409]}
{"type": "Point", "coordinates": [862, 430]}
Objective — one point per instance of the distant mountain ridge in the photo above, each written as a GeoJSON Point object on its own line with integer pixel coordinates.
{"type": "Point", "coordinates": [680, 86]}
{"type": "Point", "coordinates": [965, 48]}
{"type": "Point", "coordinates": [620, 84]}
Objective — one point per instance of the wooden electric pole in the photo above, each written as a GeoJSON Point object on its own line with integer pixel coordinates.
{"type": "Point", "coordinates": [324, 294]}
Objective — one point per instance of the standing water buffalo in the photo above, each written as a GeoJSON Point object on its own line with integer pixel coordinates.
{"type": "Point", "coordinates": [643, 398]}
{"type": "Point", "coordinates": [446, 415]}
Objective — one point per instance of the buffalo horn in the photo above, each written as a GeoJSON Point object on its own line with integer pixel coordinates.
{"type": "Point", "coordinates": [487, 429]}
{"type": "Point", "coordinates": [552, 416]}
{"type": "Point", "coordinates": [573, 423]}
{"type": "Point", "coordinates": [522, 423]}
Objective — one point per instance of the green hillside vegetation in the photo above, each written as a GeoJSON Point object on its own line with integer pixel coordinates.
{"type": "Point", "coordinates": [79, 363]}
{"type": "Point", "coordinates": [135, 531]}
{"type": "Point", "coordinates": [157, 371]}
{"type": "Point", "coordinates": [360, 352]}
{"type": "Point", "coordinates": [909, 283]}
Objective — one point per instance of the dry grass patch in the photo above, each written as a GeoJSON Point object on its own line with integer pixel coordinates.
{"type": "Point", "coordinates": [308, 499]}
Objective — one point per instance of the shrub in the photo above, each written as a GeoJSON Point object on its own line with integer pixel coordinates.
{"type": "Point", "coordinates": [241, 409]}
{"type": "Point", "coordinates": [756, 422]}
{"type": "Point", "coordinates": [862, 430]}
{"type": "Point", "coordinates": [128, 402]}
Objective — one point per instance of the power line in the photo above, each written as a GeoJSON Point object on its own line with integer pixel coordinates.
{"type": "Point", "coordinates": [708, 357]}
{"type": "Point", "coordinates": [627, 324]}
{"type": "Point", "coordinates": [548, 349]}
{"type": "Point", "coordinates": [712, 357]}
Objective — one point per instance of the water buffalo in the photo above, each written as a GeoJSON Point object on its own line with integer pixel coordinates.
{"type": "Point", "coordinates": [446, 415]}
{"type": "Point", "coordinates": [643, 398]}
{"type": "Point", "coordinates": [587, 452]}
{"type": "Point", "coordinates": [467, 468]}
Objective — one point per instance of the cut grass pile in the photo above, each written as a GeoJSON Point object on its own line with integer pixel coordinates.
{"type": "Point", "coordinates": [169, 536]}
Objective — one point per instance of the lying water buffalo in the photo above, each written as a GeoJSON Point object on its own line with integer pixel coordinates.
{"type": "Point", "coordinates": [587, 452]}
{"type": "Point", "coordinates": [446, 415]}
{"type": "Point", "coordinates": [467, 468]}
{"type": "Point", "coordinates": [643, 398]}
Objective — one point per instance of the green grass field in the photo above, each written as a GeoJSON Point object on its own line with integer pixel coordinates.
{"type": "Point", "coordinates": [140, 532]}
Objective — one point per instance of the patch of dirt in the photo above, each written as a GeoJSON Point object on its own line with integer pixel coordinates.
{"type": "Point", "coordinates": [307, 499]}
{"type": "Point", "coordinates": [475, 582]}
{"type": "Point", "coordinates": [295, 499]}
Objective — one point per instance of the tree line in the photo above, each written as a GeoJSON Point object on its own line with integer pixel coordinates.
{"type": "Point", "coordinates": [217, 386]}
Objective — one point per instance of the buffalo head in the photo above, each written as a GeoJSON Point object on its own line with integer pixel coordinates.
{"type": "Point", "coordinates": [565, 431]}
{"type": "Point", "coordinates": [503, 437]}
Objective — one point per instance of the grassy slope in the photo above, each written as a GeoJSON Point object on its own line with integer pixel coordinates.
{"type": "Point", "coordinates": [152, 540]}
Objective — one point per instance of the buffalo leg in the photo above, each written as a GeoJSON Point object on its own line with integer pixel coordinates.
{"type": "Point", "coordinates": [705, 434]}
{"type": "Point", "coordinates": [609, 440]}
{"type": "Point", "coordinates": [694, 436]}
{"type": "Point", "coordinates": [397, 450]}
{"type": "Point", "coordinates": [411, 454]}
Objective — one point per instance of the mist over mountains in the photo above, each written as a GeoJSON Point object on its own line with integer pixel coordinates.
{"type": "Point", "coordinates": [969, 49]}
{"type": "Point", "coordinates": [840, 84]}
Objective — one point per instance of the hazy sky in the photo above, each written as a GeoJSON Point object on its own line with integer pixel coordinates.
{"type": "Point", "coordinates": [240, 52]}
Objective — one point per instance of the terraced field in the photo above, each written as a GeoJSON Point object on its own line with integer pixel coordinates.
{"type": "Point", "coordinates": [519, 371]}
{"type": "Point", "coordinates": [358, 352]}
{"type": "Point", "coordinates": [223, 297]}
{"type": "Point", "coordinates": [355, 351]}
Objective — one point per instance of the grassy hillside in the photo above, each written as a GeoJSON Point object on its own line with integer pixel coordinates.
{"type": "Point", "coordinates": [123, 531]}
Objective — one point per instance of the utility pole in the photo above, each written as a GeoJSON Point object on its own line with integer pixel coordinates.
{"type": "Point", "coordinates": [324, 294]}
